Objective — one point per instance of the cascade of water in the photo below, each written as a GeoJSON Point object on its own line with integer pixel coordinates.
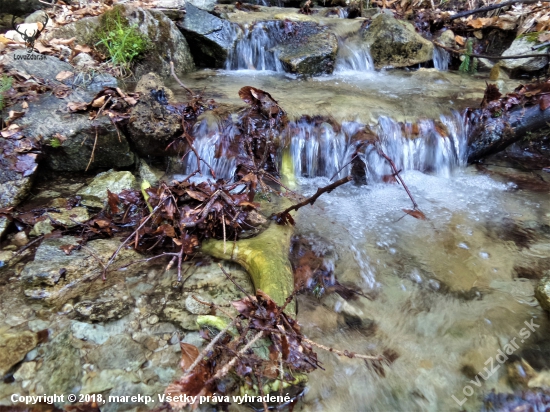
{"type": "Point", "coordinates": [437, 147]}
{"type": "Point", "coordinates": [441, 59]}
{"type": "Point", "coordinates": [254, 51]}
{"type": "Point", "coordinates": [353, 56]}
{"type": "Point", "coordinates": [212, 143]}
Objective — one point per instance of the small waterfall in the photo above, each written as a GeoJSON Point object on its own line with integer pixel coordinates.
{"type": "Point", "coordinates": [319, 149]}
{"type": "Point", "coordinates": [212, 142]}
{"type": "Point", "coordinates": [255, 50]}
{"type": "Point", "coordinates": [441, 59]}
{"type": "Point", "coordinates": [353, 56]}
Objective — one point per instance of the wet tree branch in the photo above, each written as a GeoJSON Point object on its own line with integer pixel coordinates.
{"type": "Point", "coordinates": [494, 7]}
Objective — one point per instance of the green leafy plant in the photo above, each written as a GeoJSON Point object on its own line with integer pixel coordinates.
{"type": "Point", "coordinates": [469, 65]}
{"type": "Point", "coordinates": [5, 84]}
{"type": "Point", "coordinates": [120, 41]}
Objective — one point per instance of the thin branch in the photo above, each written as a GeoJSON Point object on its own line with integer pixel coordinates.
{"type": "Point", "coordinates": [343, 353]}
{"type": "Point", "coordinates": [178, 80]}
{"type": "Point", "coordinates": [494, 7]}
{"type": "Point", "coordinates": [93, 151]}
{"type": "Point", "coordinates": [396, 174]}
{"type": "Point", "coordinates": [485, 56]}
{"type": "Point", "coordinates": [228, 276]}
{"type": "Point", "coordinates": [339, 170]}
{"type": "Point", "coordinates": [311, 200]}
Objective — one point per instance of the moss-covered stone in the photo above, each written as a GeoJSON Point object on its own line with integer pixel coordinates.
{"type": "Point", "coordinates": [395, 43]}
{"type": "Point", "coordinates": [265, 258]}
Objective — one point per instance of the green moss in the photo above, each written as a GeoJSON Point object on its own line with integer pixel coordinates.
{"type": "Point", "coordinates": [5, 84]}
{"type": "Point", "coordinates": [118, 40]}
{"type": "Point", "coordinates": [531, 37]}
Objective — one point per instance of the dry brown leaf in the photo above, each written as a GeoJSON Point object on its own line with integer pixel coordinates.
{"type": "Point", "coordinates": [64, 75]}
{"type": "Point", "coordinates": [82, 48]}
{"type": "Point", "coordinates": [544, 102]}
{"type": "Point", "coordinates": [77, 106]}
{"type": "Point", "coordinates": [25, 105]}
{"type": "Point", "coordinates": [64, 42]}
{"type": "Point", "coordinates": [460, 40]}
{"type": "Point", "coordinates": [188, 355]}
{"type": "Point", "coordinates": [13, 115]}
{"type": "Point", "coordinates": [100, 101]}
{"type": "Point", "coordinates": [544, 37]}
{"type": "Point", "coordinates": [417, 214]}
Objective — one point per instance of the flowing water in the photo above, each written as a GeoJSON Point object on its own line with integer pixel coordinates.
{"type": "Point", "coordinates": [449, 290]}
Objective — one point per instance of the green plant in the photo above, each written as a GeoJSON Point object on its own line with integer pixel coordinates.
{"type": "Point", "coordinates": [5, 84]}
{"type": "Point", "coordinates": [120, 41]}
{"type": "Point", "coordinates": [55, 142]}
{"type": "Point", "coordinates": [469, 65]}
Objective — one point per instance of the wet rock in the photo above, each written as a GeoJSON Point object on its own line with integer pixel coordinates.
{"type": "Point", "coordinates": [95, 193]}
{"type": "Point", "coordinates": [89, 332]}
{"type": "Point", "coordinates": [134, 390]}
{"type": "Point", "coordinates": [149, 173]}
{"type": "Point", "coordinates": [195, 307]}
{"type": "Point", "coordinates": [25, 372]}
{"type": "Point", "coordinates": [56, 277]}
{"type": "Point", "coordinates": [395, 43]}
{"type": "Point", "coordinates": [119, 352]}
{"type": "Point", "coordinates": [4, 223]}
{"type": "Point", "coordinates": [102, 310]}
{"type": "Point", "coordinates": [152, 126]}
{"type": "Point", "coordinates": [48, 67]}
{"type": "Point", "coordinates": [312, 56]}
{"type": "Point", "coordinates": [17, 172]}
{"type": "Point", "coordinates": [523, 45]}
{"type": "Point", "coordinates": [20, 7]}
{"type": "Point", "coordinates": [68, 218]}
{"type": "Point", "coordinates": [207, 5]}
{"type": "Point", "coordinates": [447, 38]}
{"type": "Point", "coordinates": [48, 118]}
{"type": "Point", "coordinates": [96, 382]}
{"type": "Point", "coordinates": [211, 39]}
{"type": "Point", "coordinates": [61, 369]}
{"type": "Point", "coordinates": [14, 347]}
{"type": "Point", "coordinates": [542, 292]}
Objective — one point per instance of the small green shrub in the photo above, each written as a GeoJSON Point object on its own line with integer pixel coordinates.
{"type": "Point", "coordinates": [119, 40]}
{"type": "Point", "coordinates": [5, 84]}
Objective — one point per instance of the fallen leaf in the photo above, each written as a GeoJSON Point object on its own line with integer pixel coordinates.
{"type": "Point", "coordinates": [100, 101]}
{"type": "Point", "coordinates": [460, 40]}
{"type": "Point", "coordinates": [544, 37]}
{"type": "Point", "coordinates": [188, 355]}
{"type": "Point", "coordinates": [544, 102]}
{"type": "Point", "coordinates": [25, 105]}
{"type": "Point", "coordinates": [64, 75]}
{"type": "Point", "coordinates": [13, 115]}
{"type": "Point", "coordinates": [77, 106]}
{"type": "Point", "coordinates": [82, 48]}
{"type": "Point", "coordinates": [417, 214]}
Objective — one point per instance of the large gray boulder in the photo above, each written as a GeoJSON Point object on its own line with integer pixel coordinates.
{"type": "Point", "coordinates": [310, 56]}
{"type": "Point", "coordinates": [395, 43]}
{"type": "Point", "coordinates": [211, 39]}
{"type": "Point", "coordinates": [166, 41]}
{"type": "Point", "coordinates": [69, 138]}
{"type": "Point", "coordinates": [523, 45]}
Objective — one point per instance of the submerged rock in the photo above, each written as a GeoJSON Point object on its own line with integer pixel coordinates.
{"type": "Point", "coordinates": [395, 43]}
{"type": "Point", "coordinates": [523, 45]}
{"type": "Point", "coordinates": [119, 352]}
{"type": "Point", "coordinates": [211, 39]}
{"type": "Point", "coordinates": [61, 369]}
{"type": "Point", "coordinates": [14, 347]}
{"type": "Point", "coordinates": [102, 310]}
{"type": "Point", "coordinates": [312, 56]}
{"type": "Point", "coordinates": [95, 193]}
{"type": "Point", "coordinates": [56, 277]}
{"type": "Point", "coordinates": [66, 217]}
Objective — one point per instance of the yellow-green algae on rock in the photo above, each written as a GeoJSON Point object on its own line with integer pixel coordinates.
{"type": "Point", "coordinates": [265, 258]}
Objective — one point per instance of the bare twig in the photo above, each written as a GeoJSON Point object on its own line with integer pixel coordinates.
{"type": "Point", "coordinates": [494, 7]}
{"type": "Point", "coordinates": [228, 276]}
{"type": "Point", "coordinates": [396, 174]}
{"type": "Point", "coordinates": [343, 353]}
{"type": "Point", "coordinates": [342, 168]}
{"type": "Point", "coordinates": [93, 151]}
{"type": "Point", "coordinates": [485, 56]}
{"type": "Point", "coordinates": [178, 80]}
{"type": "Point", "coordinates": [311, 200]}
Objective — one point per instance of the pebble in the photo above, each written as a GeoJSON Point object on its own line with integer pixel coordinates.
{"type": "Point", "coordinates": [20, 239]}
{"type": "Point", "coordinates": [153, 319]}
{"type": "Point", "coordinates": [67, 308]}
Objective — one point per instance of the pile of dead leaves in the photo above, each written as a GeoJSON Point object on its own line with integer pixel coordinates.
{"type": "Point", "coordinates": [494, 104]}
{"type": "Point", "coordinates": [264, 345]}
{"type": "Point", "coordinates": [110, 101]}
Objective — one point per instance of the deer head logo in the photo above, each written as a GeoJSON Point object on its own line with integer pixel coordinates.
{"type": "Point", "coordinates": [29, 38]}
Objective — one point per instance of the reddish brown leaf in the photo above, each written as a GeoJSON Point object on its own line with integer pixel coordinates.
{"type": "Point", "coordinates": [544, 102]}
{"type": "Point", "coordinates": [417, 214]}
{"type": "Point", "coordinates": [114, 200]}
{"type": "Point", "coordinates": [188, 355]}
